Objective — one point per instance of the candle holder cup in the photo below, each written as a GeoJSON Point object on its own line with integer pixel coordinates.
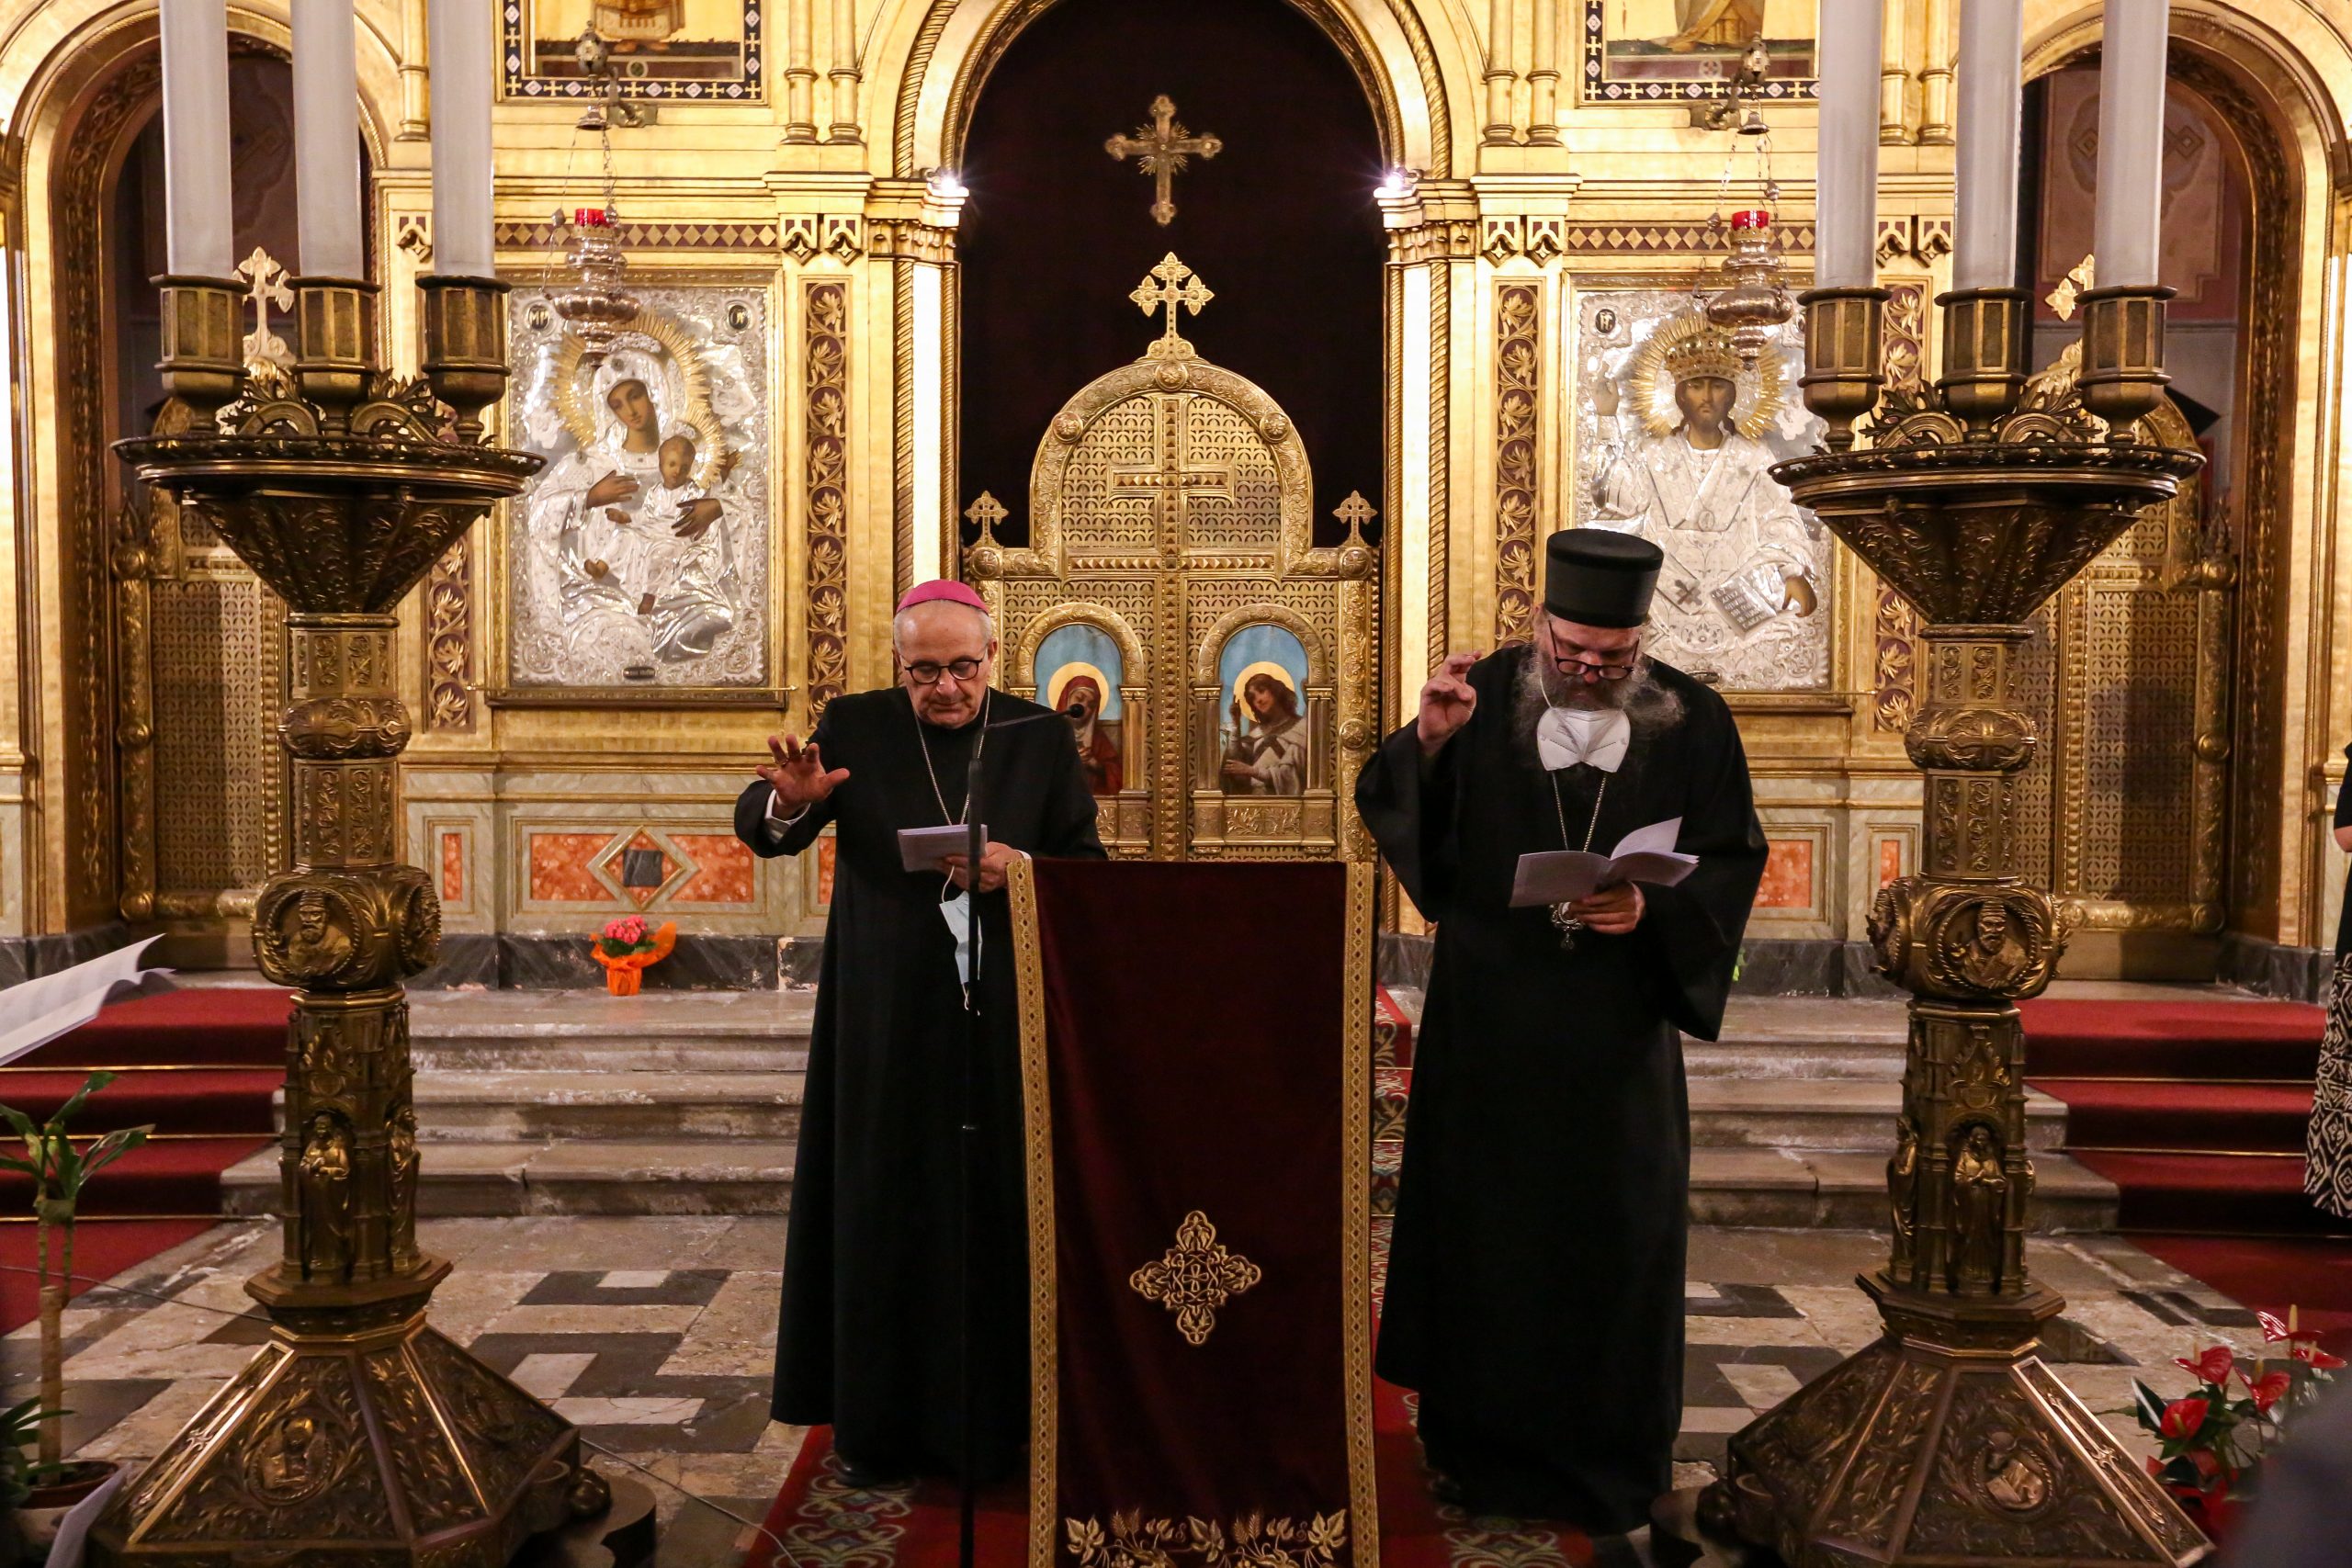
{"type": "Point", "coordinates": [1844, 332]}
{"type": "Point", "coordinates": [465, 345]}
{"type": "Point", "coordinates": [204, 356]}
{"type": "Point", "coordinates": [334, 353]}
{"type": "Point", "coordinates": [1983, 357]}
{"type": "Point", "coordinates": [2124, 376]}
{"type": "Point", "coordinates": [358, 1434]}
{"type": "Point", "coordinates": [1948, 1441]}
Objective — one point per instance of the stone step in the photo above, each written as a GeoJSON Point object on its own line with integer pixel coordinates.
{"type": "Point", "coordinates": [725, 1176]}
{"type": "Point", "coordinates": [490, 1106]}
{"type": "Point", "coordinates": [1834, 1114]}
{"type": "Point", "coordinates": [689, 1032]}
{"type": "Point", "coordinates": [1811, 1189]}
{"type": "Point", "coordinates": [1793, 1187]}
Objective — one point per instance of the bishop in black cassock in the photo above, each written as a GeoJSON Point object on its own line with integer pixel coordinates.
{"type": "Point", "coordinates": [1535, 1290]}
{"type": "Point", "coordinates": [868, 1336]}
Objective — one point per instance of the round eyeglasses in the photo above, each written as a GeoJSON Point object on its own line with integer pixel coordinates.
{"type": "Point", "coordinates": [928, 674]}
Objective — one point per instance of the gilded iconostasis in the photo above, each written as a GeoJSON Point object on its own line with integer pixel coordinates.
{"type": "Point", "coordinates": [896, 276]}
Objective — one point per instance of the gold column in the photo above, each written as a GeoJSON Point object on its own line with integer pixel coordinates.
{"type": "Point", "coordinates": [358, 1434]}
{"type": "Point", "coordinates": [1949, 1441]}
{"type": "Point", "coordinates": [1942, 50]}
{"type": "Point", "coordinates": [1502, 82]}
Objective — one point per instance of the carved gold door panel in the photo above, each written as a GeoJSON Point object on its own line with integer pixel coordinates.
{"type": "Point", "coordinates": [200, 645]}
{"type": "Point", "coordinates": [2124, 804]}
{"type": "Point", "coordinates": [1172, 589]}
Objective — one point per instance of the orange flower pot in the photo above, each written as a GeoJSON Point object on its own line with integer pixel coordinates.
{"type": "Point", "coordinates": [624, 975]}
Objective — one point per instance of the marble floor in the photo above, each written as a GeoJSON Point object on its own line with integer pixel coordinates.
{"type": "Point", "coordinates": [653, 1334]}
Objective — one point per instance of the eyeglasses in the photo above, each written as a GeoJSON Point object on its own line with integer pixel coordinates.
{"type": "Point", "coordinates": [928, 674]}
{"type": "Point", "coordinates": [1575, 668]}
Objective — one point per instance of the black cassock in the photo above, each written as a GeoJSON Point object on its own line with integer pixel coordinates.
{"type": "Point", "coordinates": [1534, 1289]}
{"type": "Point", "coordinates": [867, 1337]}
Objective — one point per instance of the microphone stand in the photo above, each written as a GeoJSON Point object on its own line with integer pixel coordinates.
{"type": "Point", "coordinates": [975, 1065]}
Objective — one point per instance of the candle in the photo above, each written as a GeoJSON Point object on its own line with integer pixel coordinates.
{"type": "Point", "coordinates": [2131, 143]}
{"type": "Point", "coordinates": [1992, 52]}
{"type": "Point", "coordinates": [198, 237]}
{"type": "Point", "coordinates": [461, 49]}
{"type": "Point", "coordinates": [326, 139]}
{"type": "Point", "coordinates": [1845, 172]}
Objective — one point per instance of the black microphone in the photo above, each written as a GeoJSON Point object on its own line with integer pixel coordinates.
{"type": "Point", "coordinates": [1075, 710]}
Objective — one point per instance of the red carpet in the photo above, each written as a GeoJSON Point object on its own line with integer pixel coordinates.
{"type": "Point", "coordinates": [200, 1066]}
{"type": "Point", "coordinates": [2194, 1109]}
{"type": "Point", "coordinates": [2311, 1274]}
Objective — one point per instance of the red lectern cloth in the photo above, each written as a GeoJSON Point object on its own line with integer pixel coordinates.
{"type": "Point", "coordinates": [1196, 1055]}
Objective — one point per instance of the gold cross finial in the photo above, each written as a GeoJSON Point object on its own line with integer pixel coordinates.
{"type": "Point", "coordinates": [268, 288]}
{"type": "Point", "coordinates": [1162, 147]}
{"type": "Point", "coordinates": [1355, 512]}
{"type": "Point", "coordinates": [1176, 288]}
{"type": "Point", "coordinates": [1197, 1276]}
{"type": "Point", "coordinates": [988, 512]}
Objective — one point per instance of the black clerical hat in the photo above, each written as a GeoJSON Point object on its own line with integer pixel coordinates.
{"type": "Point", "coordinates": [1598, 577]}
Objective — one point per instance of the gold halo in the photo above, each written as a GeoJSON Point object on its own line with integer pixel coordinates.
{"type": "Point", "coordinates": [655, 329]}
{"type": "Point", "coordinates": [1761, 391]}
{"type": "Point", "coordinates": [1061, 678]}
{"type": "Point", "coordinates": [1267, 666]}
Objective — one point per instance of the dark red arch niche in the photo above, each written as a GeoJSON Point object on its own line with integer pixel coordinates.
{"type": "Point", "coordinates": [1281, 225]}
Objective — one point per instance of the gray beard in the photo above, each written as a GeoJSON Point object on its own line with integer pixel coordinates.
{"type": "Point", "coordinates": [1650, 706]}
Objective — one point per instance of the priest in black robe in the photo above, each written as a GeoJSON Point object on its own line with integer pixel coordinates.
{"type": "Point", "coordinates": [869, 1330]}
{"type": "Point", "coordinates": [1534, 1293]}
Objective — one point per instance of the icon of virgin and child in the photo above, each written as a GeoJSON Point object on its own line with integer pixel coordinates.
{"type": "Point", "coordinates": [643, 526]}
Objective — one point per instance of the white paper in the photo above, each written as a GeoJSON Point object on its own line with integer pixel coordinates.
{"type": "Point", "coordinates": [73, 1530]}
{"type": "Point", "coordinates": [1561, 876]}
{"type": "Point", "coordinates": [921, 849]}
{"type": "Point", "coordinates": [38, 1011]}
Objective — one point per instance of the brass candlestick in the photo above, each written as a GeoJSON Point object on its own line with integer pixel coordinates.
{"type": "Point", "coordinates": [358, 1434]}
{"type": "Point", "coordinates": [1949, 1441]}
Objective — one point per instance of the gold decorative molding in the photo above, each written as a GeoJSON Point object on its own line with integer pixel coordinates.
{"type": "Point", "coordinates": [1518, 373]}
{"type": "Point", "coordinates": [910, 240]}
{"type": "Point", "coordinates": [1440, 238]}
{"type": "Point", "coordinates": [1194, 1278]}
{"type": "Point", "coordinates": [1254, 1539]}
{"type": "Point", "coordinates": [824, 342]}
{"type": "Point", "coordinates": [664, 234]}
{"type": "Point", "coordinates": [805, 236]}
{"type": "Point", "coordinates": [449, 678]}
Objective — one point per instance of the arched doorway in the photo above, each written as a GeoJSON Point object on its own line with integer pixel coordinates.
{"type": "Point", "coordinates": [2126, 805]}
{"type": "Point", "coordinates": [1264, 437]}
{"type": "Point", "coordinates": [173, 800]}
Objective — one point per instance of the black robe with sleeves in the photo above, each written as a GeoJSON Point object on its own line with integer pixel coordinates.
{"type": "Point", "coordinates": [1535, 1286]}
{"type": "Point", "coordinates": [867, 1337]}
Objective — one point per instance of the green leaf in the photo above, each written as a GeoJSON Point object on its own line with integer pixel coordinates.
{"type": "Point", "coordinates": [108, 1150]}
{"type": "Point", "coordinates": [2148, 1405]}
{"type": "Point", "coordinates": [90, 1086]}
{"type": "Point", "coordinates": [21, 1122]}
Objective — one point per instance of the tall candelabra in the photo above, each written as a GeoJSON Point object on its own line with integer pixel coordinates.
{"type": "Point", "coordinates": [358, 1434]}
{"type": "Point", "coordinates": [1949, 1441]}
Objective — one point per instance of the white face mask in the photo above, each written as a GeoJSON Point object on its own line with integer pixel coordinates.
{"type": "Point", "coordinates": [1567, 736]}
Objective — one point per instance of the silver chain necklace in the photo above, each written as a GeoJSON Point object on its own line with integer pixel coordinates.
{"type": "Point", "coordinates": [1565, 922]}
{"type": "Point", "coordinates": [979, 745]}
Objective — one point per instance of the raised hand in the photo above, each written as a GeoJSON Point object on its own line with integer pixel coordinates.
{"type": "Point", "coordinates": [798, 774]}
{"type": "Point", "coordinates": [1447, 702]}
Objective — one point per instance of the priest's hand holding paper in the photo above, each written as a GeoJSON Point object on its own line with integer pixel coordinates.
{"type": "Point", "coordinates": [798, 775]}
{"type": "Point", "coordinates": [995, 861]}
{"type": "Point", "coordinates": [1447, 703]}
{"type": "Point", "coordinates": [1612, 911]}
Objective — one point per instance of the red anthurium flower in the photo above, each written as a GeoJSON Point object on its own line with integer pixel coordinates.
{"type": "Point", "coordinates": [2266, 1389]}
{"type": "Point", "coordinates": [2212, 1366]}
{"type": "Point", "coordinates": [2183, 1416]}
{"type": "Point", "coordinates": [2311, 1355]}
{"type": "Point", "coordinates": [2275, 1329]}
{"type": "Point", "coordinates": [2208, 1465]}
{"type": "Point", "coordinates": [2155, 1465]}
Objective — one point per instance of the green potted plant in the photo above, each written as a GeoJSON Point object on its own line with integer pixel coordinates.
{"type": "Point", "coordinates": [59, 1171]}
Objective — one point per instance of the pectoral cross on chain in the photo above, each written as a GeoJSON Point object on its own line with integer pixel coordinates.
{"type": "Point", "coordinates": [1163, 146]}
